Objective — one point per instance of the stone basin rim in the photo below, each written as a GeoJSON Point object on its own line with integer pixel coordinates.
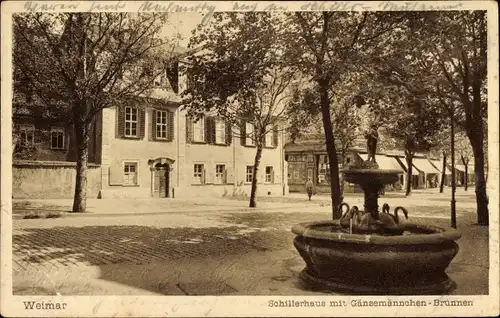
{"type": "Point", "coordinates": [306, 230]}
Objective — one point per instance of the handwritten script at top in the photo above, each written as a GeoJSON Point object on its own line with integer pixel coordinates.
{"type": "Point", "coordinates": [208, 8]}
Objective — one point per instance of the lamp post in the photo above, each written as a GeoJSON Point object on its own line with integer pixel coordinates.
{"type": "Point", "coordinates": [453, 185]}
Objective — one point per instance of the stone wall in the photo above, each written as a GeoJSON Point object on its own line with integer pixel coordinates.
{"type": "Point", "coordinates": [51, 180]}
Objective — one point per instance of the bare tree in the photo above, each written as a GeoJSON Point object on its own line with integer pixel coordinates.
{"type": "Point", "coordinates": [80, 63]}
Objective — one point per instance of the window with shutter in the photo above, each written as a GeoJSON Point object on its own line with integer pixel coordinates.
{"type": "Point", "coordinates": [229, 175]}
{"type": "Point", "coordinates": [269, 136]}
{"type": "Point", "coordinates": [153, 124]}
{"type": "Point", "coordinates": [250, 134]}
{"type": "Point", "coordinates": [220, 132]}
{"type": "Point", "coordinates": [161, 125]}
{"type": "Point", "coordinates": [208, 129]}
{"type": "Point", "coordinates": [142, 123]}
{"type": "Point", "coordinates": [199, 130]}
{"type": "Point", "coordinates": [229, 133]}
{"type": "Point", "coordinates": [189, 129]}
{"type": "Point", "coordinates": [220, 174]}
{"type": "Point", "coordinates": [130, 173]}
{"type": "Point", "coordinates": [131, 122]}
{"type": "Point", "coordinates": [275, 136]}
{"type": "Point", "coordinates": [243, 133]}
{"type": "Point", "coordinates": [212, 129]}
{"type": "Point", "coordinates": [120, 122]}
{"type": "Point", "coordinates": [269, 178]}
{"type": "Point", "coordinates": [170, 120]}
{"type": "Point", "coordinates": [115, 176]}
{"type": "Point", "coordinates": [249, 174]}
{"type": "Point", "coordinates": [198, 174]}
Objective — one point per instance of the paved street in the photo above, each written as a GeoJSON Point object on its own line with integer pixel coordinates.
{"type": "Point", "coordinates": [208, 248]}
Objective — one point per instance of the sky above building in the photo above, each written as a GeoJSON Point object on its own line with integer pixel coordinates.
{"type": "Point", "coordinates": [182, 24]}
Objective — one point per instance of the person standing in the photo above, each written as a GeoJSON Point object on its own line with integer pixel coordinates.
{"type": "Point", "coordinates": [309, 188]}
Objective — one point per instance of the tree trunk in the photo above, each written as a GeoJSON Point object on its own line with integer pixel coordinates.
{"type": "Point", "coordinates": [453, 178]}
{"type": "Point", "coordinates": [82, 145]}
{"type": "Point", "coordinates": [253, 191]}
{"type": "Point", "coordinates": [342, 175]}
{"type": "Point", "coordinates": [443, 174]}
{"type": "Point", "coordinates": [409, 171]}
{"type": "Point", "coordinates": [330, 149]}
{"type": "Point", "coordinates": [481, 195]}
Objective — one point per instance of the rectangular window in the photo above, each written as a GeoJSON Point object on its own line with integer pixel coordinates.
{"type": "Point", "coordinates": [27, 135]}
{"type": "Point", "coordinates": [161, 124]}
{"type": "Point", "coordinates": [57, 138]}
{"type": "Point", "coordinates": [131, 120]}
{"type": "Point", "coordinates": [250, 134]}
{"type": "Point", "coordinates": [130, 173]}
{"type": "Point", "coordinates": [220, 131]}
{"type": "Point", "coordinates": [249, 174]}
{"type": "Point", "coordinates": [198, 174]}
{"type": "Point", "coordinates": [199, 130]}
{"type": "Point", "coordinates": [269, 174]}
{"type": "Point", "coordinates": [220, 174]}
{"type": "Point", "coordinates": [269, 137]}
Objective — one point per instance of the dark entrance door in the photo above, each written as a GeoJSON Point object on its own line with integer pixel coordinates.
{"type": "Point", "coordinates": [162, 180]}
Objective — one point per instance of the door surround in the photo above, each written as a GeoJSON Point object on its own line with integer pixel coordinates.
{"type": "Point", "coordinates": [161, 169]}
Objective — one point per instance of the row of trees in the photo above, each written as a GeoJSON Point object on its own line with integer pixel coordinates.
{"type": "Point", "coordinates": [417, 72]}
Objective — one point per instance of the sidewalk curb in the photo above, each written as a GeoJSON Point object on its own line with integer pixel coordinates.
{"type": "Point", "coordinates": [113, 214]}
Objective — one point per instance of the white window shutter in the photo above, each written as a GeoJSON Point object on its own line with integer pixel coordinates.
{"type": "Point", "coordinates": [116, 174]}
{"type": "Point", "coordinates": [210, 176]}
{"type": "Point", "coordinates": [229, 175]}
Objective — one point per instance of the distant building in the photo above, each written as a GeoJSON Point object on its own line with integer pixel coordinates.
{"type": "Point", "coordinates": [308, 160]}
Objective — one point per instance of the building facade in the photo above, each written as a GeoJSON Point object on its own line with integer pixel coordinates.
{"type": "Point", "coordinates": [308, 160]}
{"type": "Point", "coordinates": [149, 147]}
{"type": "Point", "coordinates": [171, 155]}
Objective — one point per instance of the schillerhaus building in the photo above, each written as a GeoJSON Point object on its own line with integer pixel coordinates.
{"type": "Point", "coordinates": [144, 147]}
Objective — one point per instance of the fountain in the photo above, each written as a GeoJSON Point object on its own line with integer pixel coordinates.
{"type": "Point", "coordinates": [370, 252]}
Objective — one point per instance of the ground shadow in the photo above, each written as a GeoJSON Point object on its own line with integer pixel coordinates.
{"type": "Point", "coordinates": [142, 247]}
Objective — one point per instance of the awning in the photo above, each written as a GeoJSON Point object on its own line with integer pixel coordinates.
{"type": "Point", "coordinates": [414, 172]}
{"type": "Point", "coordinates": [471, 169]}
{"type": "Point", "coordinates": [384, 162]}
{"type": "Point", "coordinates": [438, 164]}
{"type": "Point", "coordinates": [423, 164]}
{"type": "Point", "coordinates": [461, 168]}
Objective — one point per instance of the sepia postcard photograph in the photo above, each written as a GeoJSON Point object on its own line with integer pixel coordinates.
{"type": "Point", "coordinates": [249, 158]}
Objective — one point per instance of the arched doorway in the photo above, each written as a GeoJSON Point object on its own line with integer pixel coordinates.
{"type": "Point", "coordinates": [160, 177]}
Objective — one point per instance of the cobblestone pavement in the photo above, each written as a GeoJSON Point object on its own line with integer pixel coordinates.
{"type": "Point", "coordinates": [144, 239]}
{"type": "Point", "coordinates": [182, 239]}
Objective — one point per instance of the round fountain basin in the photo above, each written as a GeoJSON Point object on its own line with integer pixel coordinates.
{"type": "Point", "coordinates": [371, 176]}
{"type": "Point", "coordinates": [412, 263]}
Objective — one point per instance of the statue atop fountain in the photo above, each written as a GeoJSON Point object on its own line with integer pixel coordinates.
{"type": "Point", "coordinates": [371, 142]}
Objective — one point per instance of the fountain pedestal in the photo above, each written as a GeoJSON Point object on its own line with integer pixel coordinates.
{"type": "Point", "coordinates": [371, 199]}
